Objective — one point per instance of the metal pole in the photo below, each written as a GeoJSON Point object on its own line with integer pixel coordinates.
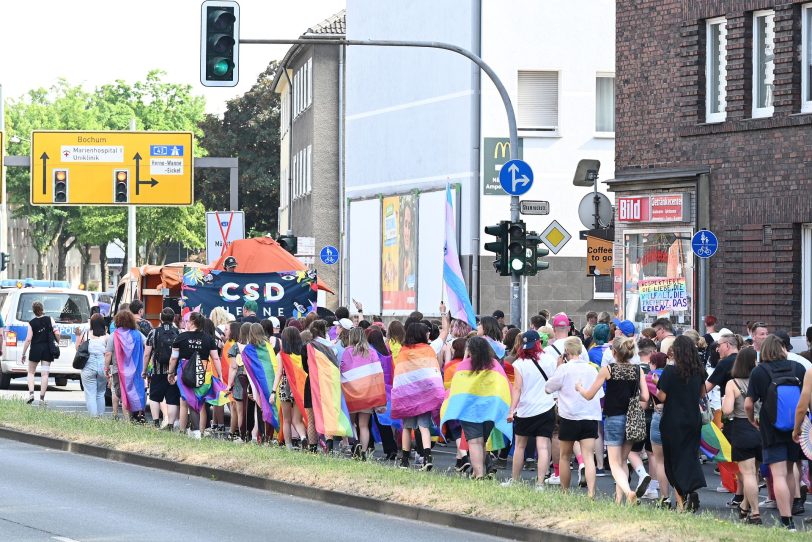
{"type": "Point", "coordinates": [233, 189]}
{"type": "Point", "coordinates": [3, 195]}
{"type": "Point", "coordinates": [131, 225]}
{"type": "Point", "coordinates": [515, 287]}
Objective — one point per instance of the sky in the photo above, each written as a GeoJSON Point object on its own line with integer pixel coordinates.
{"type": "Point", "coordinates": [93, 42]}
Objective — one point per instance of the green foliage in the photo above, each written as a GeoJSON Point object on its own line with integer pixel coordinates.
{"type": "Point", "coordinates": [248, 130]}
{"type": "Point", "coordinates": [159, 226]}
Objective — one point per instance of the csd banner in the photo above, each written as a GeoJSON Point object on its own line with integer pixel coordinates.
{"type": "Point", "coordinates": [290, 294]}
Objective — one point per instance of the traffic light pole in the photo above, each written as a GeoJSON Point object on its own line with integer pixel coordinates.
{"type": "Point", "coordinates": [515, 278]}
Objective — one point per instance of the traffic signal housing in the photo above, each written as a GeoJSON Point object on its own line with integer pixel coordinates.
{"type": "Point", "coordinates": [499, 247]}
{"type": "Point", "coordinates": [219, 43]}
{"type": "Point", "coordinates": [60, 194]}
{"type": "Point", "coordinates": [517, 252]}
{"type": "Point", "coordinates": [121, 185]}
{"type": "Point", "coordinates": [289, 243]}
{"type": "Point", "coordinates": [536, 250]}
{"type": "Point", "coordinates": [3, 261]}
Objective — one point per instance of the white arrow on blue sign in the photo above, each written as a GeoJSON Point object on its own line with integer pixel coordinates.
{"type": "Point", "coordinates": [704, 243]}
{"type": "Point", "coordinates": [516, 177]}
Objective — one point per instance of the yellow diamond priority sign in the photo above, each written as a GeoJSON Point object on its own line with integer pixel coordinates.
{"type": "Point", "coordinates": [111, 168]}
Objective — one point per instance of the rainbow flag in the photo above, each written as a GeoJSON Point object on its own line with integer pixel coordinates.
{"type": "Point", "coordinates": [260, 364]}
{"type": "Point", "coordinates": [713, 443]}
{"type": "Point", "coordinates": [329, 406]}
{"type": "Point", "coordinates": [294, 370]}
{"type": "Point", "coordinates": [417, 387]}
{"type": "Point", "coordinates": [459, 304]}
{"type": "Point", "coordinates": [130, 362]}
{"type": "Point", "coordinates": [480, 397]}
{"type": "Point", "coordinates": [213, 391]}
{"type": "Point", "coordinates": [388, 375]}
{"type": "Point", "coordinates": [362, 380]}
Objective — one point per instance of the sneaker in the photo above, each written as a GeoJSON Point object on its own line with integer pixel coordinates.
{"type": "Point", "coordinates": [768, 504]}
{"type": "Point", "coordinates": [798, 507]}
{"type": "Point", "coordinates": [600, 473]}
{"type": "Point", "coordinates": [30, 398]}
{"type": "Point", "coordinates": [790, 525]}
{"type": "Point", "coordinates": [194, 434]}
{"type": "Point", "coordinates": [529, 464]}
{"type": "Point", "coordinates": [507, 483]}
{"type": "Point", "coordinates": [651, 494]}
{"type": "Point", "coordinates": [642, 486]}
{"type": "Point", "coordinates": [463, 464]}
{"type": "Point", "coordinates": [581, 476]}
{"type": "Point", "coordinates": [427, 463]}
{"type": "Point", "coordinates": [804, 493]}
{"type": "Point", "coordinates": [404, 461]}
{"type": "Point", "coordinates": [165, 425]}
{"type": "Point", "coordinates": [553, 481]}
{"type": "Point", "coordinates": [735, 501]}
{"type": "Point", "coordinates": [722, 489]}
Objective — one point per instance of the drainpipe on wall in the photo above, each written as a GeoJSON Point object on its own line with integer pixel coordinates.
{"type": "Point", "coordinates": [476, 130]}
{"type": "Point", "coordinates": [342, 205]}
{"type": "Point", "coordinates": [703, 221]}
{"type": "Point", "coordinates": [290, 148]}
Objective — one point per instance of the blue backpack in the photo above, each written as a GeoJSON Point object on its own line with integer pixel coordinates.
{"type": "Point", "coordinates": [782, 397]}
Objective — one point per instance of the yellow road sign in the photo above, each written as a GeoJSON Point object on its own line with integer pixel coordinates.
{"type": "Point", "coordinates": [111, 168]}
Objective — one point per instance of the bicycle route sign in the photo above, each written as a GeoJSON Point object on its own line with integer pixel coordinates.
{"type": "Point", "coordinates": [704, 244]}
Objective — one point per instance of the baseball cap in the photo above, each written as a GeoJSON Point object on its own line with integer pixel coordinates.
{"type": "Point", "coordinates": [274, 321]}
{"type": "Point", "coordinates": [346, 323]}
{"type": "Point", "coordinates": [626, 327]}
{"type": "Point", "coordinates": [250, 306]}
{"type": "Point", "coordinates": [784, 336]}
{"type": "Point", "coordinates": [498, 314]}
{"type": "Point", "coordinates": [561, 320]}
{"type": "Point", "coordinates": [530, 338]}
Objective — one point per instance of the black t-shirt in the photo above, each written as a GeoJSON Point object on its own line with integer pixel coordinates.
{"type": "Point", "coordinates": [721, 375]}
{"type": "Point", "coordinates": [620, 388]}
{"type": "Point", "coordinates": [190, 342]}
{"type": "Point", "coordinates": [249, 319]}
{"type": "Point", "coordinates": [757, 390]}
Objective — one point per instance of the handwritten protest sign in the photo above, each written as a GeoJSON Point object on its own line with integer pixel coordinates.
{"type": "Point", "coordinates": [663, 295]}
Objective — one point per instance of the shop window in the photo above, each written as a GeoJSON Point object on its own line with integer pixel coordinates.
{"type": "Point", "coordinates": [538, 101]}
{"type": "Point", "coordinates": [806, 60]}
{"type": "Point", "coordinates": [763, 63]}
{"type": "Point", "coordinates": [603, 287]}
{"type": "Point", "coordinates": [716, 70]}
{"type": "Point", "coordinates": [659, 277]}
{"type": "Point", "coordinates": [605, 104]}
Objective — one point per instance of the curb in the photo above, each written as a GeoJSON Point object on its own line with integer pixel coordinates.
{"type": "Point", "coordinates": [368, 504]}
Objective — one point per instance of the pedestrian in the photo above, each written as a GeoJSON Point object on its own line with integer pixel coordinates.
{"type": "Point", "coordinates": [94, 380]}
{"type": "Point", "coordinates": [383, 420]}
{"type": "Point", "coordinates": [249, 312]}
{"type": "Point", "coordinates": [780, 452]}
{"type": "Point", "coordinates": [657, 362]}
{"type": "Point", "coordinates": [623, 383]}
{"type": "Point", "coordinates": [680, 387]}
{"type": "Point", "coordinates": [157, 353]}
{"type": "Point", "coordinates": [664, 330]}
{"type": "Point", "coordinates": [792, 356]}
{"type": "Point", "coordinates": [238, 383]}
{"type": "Point", "coordinates": [41, 342]}
{"type": "Point", "coordinates": [141, 324]}
{"type": "Point", "coordinates": [454, 356]}
{"type": "Point", "coordinates": [395, 335]}
{"type": "Point", "coordinates": [362, 384]}
{"type": "Point", "coordinates": [218, 411]}
{"type": "Point", "coordinates": [579, 417]}
{"type": "Point", "coordinates": [125, 351]}
{"type": "Point", "coordinates": [292, 406]}
{"type": "Point", "coordinates": [745, 440]}
{"type": "Point", "coordinates": [489, 329]}
{"type": "Point", "coordinates": [500, 318]}
{"type": "Point", "coordinates": [600, 344]}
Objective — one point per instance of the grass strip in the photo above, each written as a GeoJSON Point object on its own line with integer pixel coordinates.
{"type": "Point", "coordinates": [598, 519]}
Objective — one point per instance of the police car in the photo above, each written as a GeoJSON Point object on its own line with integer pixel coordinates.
{"type": "Point", "coordinates": [70, 310]}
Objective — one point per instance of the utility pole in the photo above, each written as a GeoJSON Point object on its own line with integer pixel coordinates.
{"type": "Point", "coordinates": [132, 238]}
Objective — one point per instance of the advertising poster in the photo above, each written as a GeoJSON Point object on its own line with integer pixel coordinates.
{"type": "Point", "coordinates": [399, 253]}
{"type": "Point", "coordinates": [661, 295]}
{"type": "Point", "coordinates": [290, 294]}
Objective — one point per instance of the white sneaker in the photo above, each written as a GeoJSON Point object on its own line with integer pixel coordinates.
{"type": "Point", "coordinates": [553, 480]}
{"type": "Point", "coordinates": [507, 483]}
{"type": "Point", "coordinates": [651, 493]}
{"type": "Point", "coordinates": [722, 489]}
{"type": "Point", "coordinates": [540, 487]}
{"type": "Point", "coordinates": [768, 504]}
{"type": "Point", "coordinates": [193, 434]}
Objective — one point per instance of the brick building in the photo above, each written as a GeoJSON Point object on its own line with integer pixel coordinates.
{"type": "Point", "coordinates": [714, 130]}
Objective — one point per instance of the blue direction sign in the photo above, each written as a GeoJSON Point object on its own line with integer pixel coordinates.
{"type": "Point", "coordinates": [329, 255]}
{"type": "Point", "coordinates": [704, 243]}
{"type": "Point", "coordinates": [516, 177]}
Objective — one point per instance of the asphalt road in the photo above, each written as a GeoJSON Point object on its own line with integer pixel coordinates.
{"type": "Point", "coordinates": [71, 398]}
{"type": "Point", "coordinates": [47, 495]}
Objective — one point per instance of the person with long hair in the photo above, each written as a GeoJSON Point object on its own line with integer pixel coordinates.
{"type": "Point", "coordinates": [680, 387]}
{"type": "Point", "coordinates": [40, 334]}
{"type": "Point", "coordinates": [623, 380]}
{"type": "Point", "coordinates": [125, 350]}
{"type": "Point", "coordinates": [745, 439]}
{"type": "Point", "coordinates": [238, 380]}
{"type": "Point", "coordinates": [395, 334]}
{"type": "Point", "coordinates": [489, 329]}
{"type": "Point", "coordinates": [454, 355]}
{"type": "Point", "coordinates": [94, 381]}
{"type": "Point", "coordinates": [532, 408]}
{"type": "Point", "coordinates": [657, 362]}
{"type": "Point", "coordinates": [292, 415]}
{"type": "Point", "coordinates": [218, 425]}
{"type": "Point", "coordinates": [362, 383]}
{"type": "Point", "coordinates": [383, 420]}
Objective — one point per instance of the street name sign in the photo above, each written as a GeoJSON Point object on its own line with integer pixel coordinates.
{"type": "Point", "coordinates": [516, 177]}
{"type": "Point", "coordinates": [530, 207]}
{"type": "Point", "coordinates": [111, 168]}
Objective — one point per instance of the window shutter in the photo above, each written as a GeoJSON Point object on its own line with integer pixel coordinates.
{"type": "Point", "coordinates": [538, 100]}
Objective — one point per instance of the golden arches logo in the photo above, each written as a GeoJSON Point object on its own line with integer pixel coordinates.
{"type": "Point", "coordinates": [505, 149]}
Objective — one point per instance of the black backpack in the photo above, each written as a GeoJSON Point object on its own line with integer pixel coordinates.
{"type": "Point", "coordinates": [165, 336]}
{"type": "Point", "coordinates": [194, 372]}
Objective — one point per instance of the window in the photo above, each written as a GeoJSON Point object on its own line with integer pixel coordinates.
{"type": "Point", "coordinates": [763, 63]}
{"type": "Point", "coordinates": [806, 60]}
{"type": "Point", "coordinates": [604, 287]}
{"type": "Point", "coordinates": [309, 170]}
{"type": "Point", "coordinates": [303, 88]}
{"type": "Point", "coordinates": [716, 70]}
{"type": "Point", "coordinates": [605, 104]}
{"type": "Point", "coordinates": [538, 101]}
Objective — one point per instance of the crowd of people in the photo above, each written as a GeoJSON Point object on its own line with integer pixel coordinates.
{"type": "Point", "coordinates": [548, 395]}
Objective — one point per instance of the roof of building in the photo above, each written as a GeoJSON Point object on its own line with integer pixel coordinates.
{"type": "Point", "coordinates": [333, 25]}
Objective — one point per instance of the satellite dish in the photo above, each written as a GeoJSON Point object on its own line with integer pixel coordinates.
{"type": "Point", "coordinates": [586, 211]}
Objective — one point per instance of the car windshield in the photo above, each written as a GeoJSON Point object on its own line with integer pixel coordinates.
{"type": "Point", "coordinates": [63, 308]}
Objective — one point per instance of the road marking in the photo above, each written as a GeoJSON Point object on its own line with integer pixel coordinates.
{"type": "Point", "coordinates": [63, 539]}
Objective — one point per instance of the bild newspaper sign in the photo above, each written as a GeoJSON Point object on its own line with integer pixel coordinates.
{"type": "Point", "coordinates": [654, 208]}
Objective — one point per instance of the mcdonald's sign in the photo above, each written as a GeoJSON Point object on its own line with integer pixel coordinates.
{"type": "Point", "coordinates": [496, 151]}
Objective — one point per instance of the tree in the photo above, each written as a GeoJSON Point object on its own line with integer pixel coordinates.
{"type": "Point", "coordinates": [160, 226]}
{"type": "Point", "coordinates": [249, 130]}
{"type": "Point", "coordinates": [97, 226]}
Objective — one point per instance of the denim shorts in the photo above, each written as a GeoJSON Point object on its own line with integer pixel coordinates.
{"type": "Point", "coordinates": [656, 437]}
{"type": "Point", "coordinates": [614, 430]}
{"type": "Point", "coordinates": [421, 420]}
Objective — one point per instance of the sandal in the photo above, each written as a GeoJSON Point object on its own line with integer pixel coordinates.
{"type": "Point", "coordinates": [754, 519]}
{"type": "Point", "coordinates": [743, 513]}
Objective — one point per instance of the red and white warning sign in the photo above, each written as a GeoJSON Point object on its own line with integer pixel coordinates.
{"type": "Point", "coordinates": [222, 228]}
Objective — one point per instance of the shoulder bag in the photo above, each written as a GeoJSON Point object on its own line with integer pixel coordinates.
{"type": "Point", "coordinates": [635, 416]}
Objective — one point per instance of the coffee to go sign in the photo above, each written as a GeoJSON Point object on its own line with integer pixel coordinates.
{"type": "Point", "coordinates": [657, 208]}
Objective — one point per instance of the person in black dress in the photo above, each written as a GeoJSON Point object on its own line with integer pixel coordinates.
{"type": "Point", "coordinates": [41, 334]}
{"type": "Point", "coordinates": [680, 388]}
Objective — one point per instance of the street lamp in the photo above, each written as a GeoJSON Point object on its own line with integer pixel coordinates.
{"type": "Point", "coordinates": [18, 139]}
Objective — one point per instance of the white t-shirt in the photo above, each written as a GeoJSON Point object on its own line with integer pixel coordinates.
{"type": "Point", "coordinates": [609, 357]}
{"type": "Point", "coordinates": [559, 344]}
{"type": "Point", "coordinates": [533, 399]}
{"type": "Point", "coordinates": [571, 404]}
{"type": "Point", "coordinates": [800, 360]}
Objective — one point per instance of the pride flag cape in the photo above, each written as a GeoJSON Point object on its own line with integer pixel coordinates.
{"type": "Point", "coordinates": [294, 370]}
{"type": "Point", "coordinates": [713, 443]}
{"type": "Point", "coordinates": [260, 365]}
{"type": "Point", "coordinates": [418, 385]}
{"type": "Point", "coordinates": [130, 363]}
{"type": "Point", "coordinates": [497, 347]}
{"type": "Point", "coordinates": [388, 376]}
{"type": "Point", "coordinates": [362, 380]}
{"type": "Point", "coordinates": [480, 397]}
{"type": "Point", "coordinates": [458, 302]}
{"type": "Point", "coordinates": [213, 391]}
{"type": "Point", "coordinates": [329, 406]}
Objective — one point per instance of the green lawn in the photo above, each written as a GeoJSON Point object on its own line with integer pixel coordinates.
{"type": "Point", "coordinates": [597, 519]}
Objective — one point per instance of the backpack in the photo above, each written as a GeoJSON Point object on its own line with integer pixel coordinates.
{"type": "Point", "coordinates": [164, 339]}
{"type": "Point", "coordinates": [782, 397]}
{"type": "Point", "coordinates": [194, 372]}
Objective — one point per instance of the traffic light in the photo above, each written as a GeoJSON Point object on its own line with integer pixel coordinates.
{"type": "Point", "coordinates": [121, 185]}
{"type": "Point", "coordinates": [219, 43]}
{"type": "Point", "coordinates": [517, 248]}
{"type": "Point", "coordinates": [60, 186]}
{"type": "Point", "coordinates": [535, 251]}
{"type": "Point", "coordinates": [3, 261]}
{"type": "Point", "coordinates": [499, 247]}
{"type": "Point", "coordinates": [289, 243]}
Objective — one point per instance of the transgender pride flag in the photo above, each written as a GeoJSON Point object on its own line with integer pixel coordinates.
{"type": "Point", "coordinates": [457, 293]}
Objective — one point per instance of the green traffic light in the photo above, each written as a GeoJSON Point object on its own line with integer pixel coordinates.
{"type": "Point", "coordinates": [220, 66]}
{"type": "Point", "coordinates": [517, 264]}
